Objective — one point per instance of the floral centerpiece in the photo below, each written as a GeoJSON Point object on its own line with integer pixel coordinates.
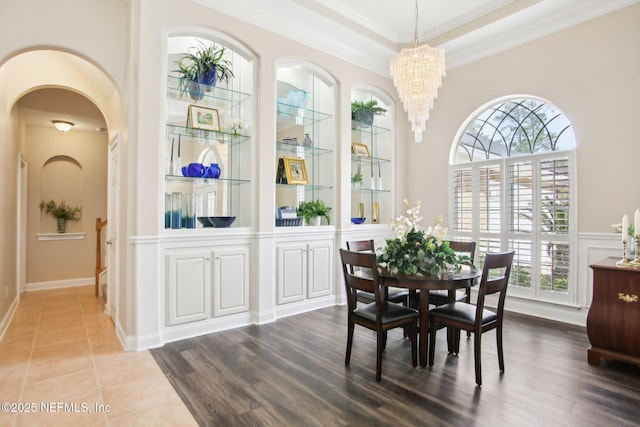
{"type": "Point", "coordinates": [416, 251]}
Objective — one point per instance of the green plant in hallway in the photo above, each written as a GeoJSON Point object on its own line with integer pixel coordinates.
{"type": "Point", "coordinates": [61, 212]}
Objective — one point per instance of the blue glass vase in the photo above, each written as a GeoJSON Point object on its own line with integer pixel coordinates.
{"type": "Point", "coordinates": [214, 171]}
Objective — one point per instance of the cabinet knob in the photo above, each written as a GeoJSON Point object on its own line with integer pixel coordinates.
{"type": "Point", "coordinates": [627, 298]}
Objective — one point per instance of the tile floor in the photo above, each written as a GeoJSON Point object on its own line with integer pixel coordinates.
{"type": "Point", "coordinates": [61, 352]}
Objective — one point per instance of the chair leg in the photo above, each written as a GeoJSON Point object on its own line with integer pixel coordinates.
{"type": "Point", "coordinates": [432, 341]}
{"type": "Point", "coordinates": [468, 301]}
{"type": "Point", "coordinates": [500, 354]}
{"type": "Point", "coordinates": [350, 328]}
{"type": "Point", "coordinates": [380, 338]}
{"type": "Point", "coordinates": [476, 356]}
{"type": "Point", "coordinates": [414, 345]}
{"type": "Point", "coordinates": [456, 340]}
{"type": "Point", "coordinates": [384, 340]}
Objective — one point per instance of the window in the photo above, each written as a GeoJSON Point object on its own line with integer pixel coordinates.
{"type": "Point", "coordinates": [512, 183]}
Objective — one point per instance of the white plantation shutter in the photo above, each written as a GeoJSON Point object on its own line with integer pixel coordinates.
{"type": "Point", "coordinates": [509, 194]}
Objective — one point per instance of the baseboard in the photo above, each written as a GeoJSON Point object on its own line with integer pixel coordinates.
{"type": "Point", "coordinates": [6, 320]}
{"type": "Point", "coordinates": [56, 284]}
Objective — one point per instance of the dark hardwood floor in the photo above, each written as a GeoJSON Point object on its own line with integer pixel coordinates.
{"type": "Point", "coordinates": [292, 373]}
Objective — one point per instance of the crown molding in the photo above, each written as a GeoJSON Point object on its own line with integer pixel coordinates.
{"type": "Point", "coordinates": [290, 19]}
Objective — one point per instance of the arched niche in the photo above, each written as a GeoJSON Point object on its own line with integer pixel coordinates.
{"type": "Point", "coordinates": [61, 178]}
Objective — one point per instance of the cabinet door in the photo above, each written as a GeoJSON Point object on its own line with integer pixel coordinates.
{"type": "Point", "coordinates": [320, 269]}
{"type": "Point", "coordinates": [189, 296]}
{"type": "Point", "coordinates": [230, 280]}
{"type": "Point", "coordinates": [291, 272]}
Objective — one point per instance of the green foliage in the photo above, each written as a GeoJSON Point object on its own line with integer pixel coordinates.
{"type": "Point", "coordinates": [356, 178]}
{"type": "Point", "coordinates": [198, 60]}
{"type": "Point", "coordinates": [362, 107]}
{"type": "Point", "coordinates": [418, 254]}
{"type": "Point", "coordinates": [62, 210]}
{"type": "Point", "coordinates": [311, 209]}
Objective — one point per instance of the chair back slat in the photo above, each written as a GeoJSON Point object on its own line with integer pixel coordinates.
{"type": "Point", "coordinates": [360, 273]}
{"type": "Point", "coordinates": [360, 245]}
{"type": "Point", "coordinates": [495, 278]}
{"type": "Point", "coordinates": [464, 248]}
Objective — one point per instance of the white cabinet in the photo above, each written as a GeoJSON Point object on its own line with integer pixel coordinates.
{"type": "Point", "coordinates": [304, 270]}
{"type": "Point", "coordinates": [201, 278]}
{"type": "Point", "coordinates": [189, 293]}
{"type": "Point", "coordinates": [230, 280]}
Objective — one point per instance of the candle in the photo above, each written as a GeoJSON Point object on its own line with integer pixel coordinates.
{"type": "Point", "coordinates": [625, 227]}
{"type": "Point", "coordinates": [172, 142]}
{"type": "Point", "coordinates": [179, 145]}
{"type": "Point", "coordinates": [379, 173]}
{"type": "Point", "coordinates": [636, 222]}
{"type": "Point", "coordinates": [371, 169]}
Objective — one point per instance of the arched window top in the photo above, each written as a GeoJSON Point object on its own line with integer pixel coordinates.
{"type": "Point", "coordinates": [514, 127]}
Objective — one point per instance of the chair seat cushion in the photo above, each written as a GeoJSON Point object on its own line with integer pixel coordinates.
{"type": "Point", "coordinates": [390, 312]}
{"type": "Point", "coordinates": [441, 297]}
{"type": "Point", "coordinates": [462, 312]}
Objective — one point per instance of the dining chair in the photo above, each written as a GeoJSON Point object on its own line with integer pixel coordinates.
{"type": "Point", "coordinates": [476, 318]}
{"type": "Point", "coordinates": [441, 297]}
{"type": "Point", "coordinates": [393, 294]}
{"type": "Point", "coordinates": [379, 316]}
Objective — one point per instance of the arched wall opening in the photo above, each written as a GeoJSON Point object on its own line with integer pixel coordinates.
{"type": "Point", "coordinates": [65, 72]}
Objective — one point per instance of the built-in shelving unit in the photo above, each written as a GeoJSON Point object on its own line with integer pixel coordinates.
{"type": "Point", "coordinates": [306, 133]}
{"type": "Point", "coordinates": [372, 198]}
{"type": "Point", "coordinates": [229, 147]}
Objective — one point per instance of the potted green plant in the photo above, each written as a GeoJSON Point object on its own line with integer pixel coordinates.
{"type": "Point", "coordinates": [313, 209]}
{"type": "Point", "coordinates": [364, 111]}
{"type": "Point", "coordinates": [61, 212]}
{"type": "Point", "coordinates": [202, 66]}
{"type": "Point", "coordinates": [356, 179]}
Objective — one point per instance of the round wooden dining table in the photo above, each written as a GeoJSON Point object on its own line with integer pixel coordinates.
{"type": "Point", "coordinates": [445, 281]}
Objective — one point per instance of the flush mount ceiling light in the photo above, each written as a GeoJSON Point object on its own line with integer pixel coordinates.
{"type": "Point", "coordinates": [417, 75]}
{"type": "Point", "coordinates": [62, 125]}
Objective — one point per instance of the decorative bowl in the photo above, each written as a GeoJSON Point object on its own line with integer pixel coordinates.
{"type": "Point", "coordinates": [358, 220]}
{"type": "Point", "coordinates": [221, 221]}
{"type": "Point", "coordinates": [204, 220]}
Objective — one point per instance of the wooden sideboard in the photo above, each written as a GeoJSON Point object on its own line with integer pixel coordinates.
{"type": "Point", "coordinates": [613, 322]}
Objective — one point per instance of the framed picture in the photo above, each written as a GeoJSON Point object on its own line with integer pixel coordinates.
{"type": "Point", "coordinates": [360, 149]}
{"type": "Point", "coordinates": [203, 118]}
{"type": "Point", "coordinates": [296, 170]}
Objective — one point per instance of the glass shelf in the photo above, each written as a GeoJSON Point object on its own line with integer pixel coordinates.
{"type": "Point", "coordinates": [306, 187]}
{"type": "Point", "coordinates": [370, 190]}
{"type": "Point", "coordinates": [368, 160]}
{"type": "Point", "coordinates": [202, 136]}
{"type": "Point", "coordinates": [365, 128]}
{"type": "Point", "coordinates": [300, 149]}
{"type": "Point", "coordinates": [215, 96]}
{"type": "Point", "coordinates": [180, 178]}
{"type": "Point", "coordinates": [292, 115]}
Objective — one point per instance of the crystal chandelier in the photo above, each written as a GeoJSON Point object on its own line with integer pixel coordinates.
{"type": "Point", "coordinates": [417, 74]}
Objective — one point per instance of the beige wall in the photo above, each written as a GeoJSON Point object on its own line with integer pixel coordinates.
{"type": "Point", "coordinates": [51, 260]}
{"type": "Point", "coordinates": [592, 73]}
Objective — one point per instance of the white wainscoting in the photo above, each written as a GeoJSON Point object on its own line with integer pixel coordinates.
{"type": "Point", "coordinates": [592, 247]}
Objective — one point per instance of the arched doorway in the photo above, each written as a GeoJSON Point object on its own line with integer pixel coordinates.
{"type": "Point", "coordinates": [71, 89]}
